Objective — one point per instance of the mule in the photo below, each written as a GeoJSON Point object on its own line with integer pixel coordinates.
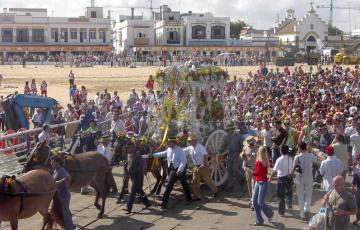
{"type": "Point", "coordinates": [23, 197]}
{"type": "Point", "coordinates": [89, 168]}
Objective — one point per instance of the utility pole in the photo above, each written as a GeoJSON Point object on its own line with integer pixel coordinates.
{"type": "Point", "coordinates": [151, 9]}
{"type": "Point", "coordinates": [92, 3]}
{"type": "Point", "coordinates": [331, 13]}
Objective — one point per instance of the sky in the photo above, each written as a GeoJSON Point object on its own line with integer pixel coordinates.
{"type": "Point", "coordinates": [261, 14]}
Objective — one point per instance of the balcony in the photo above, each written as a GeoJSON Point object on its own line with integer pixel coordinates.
{"type": "Point", "coordinates": [207, 43]}
{"type": "Point", "coordinates": [173, 42]}
{"type": "Point", "coordinates": [141, 41]}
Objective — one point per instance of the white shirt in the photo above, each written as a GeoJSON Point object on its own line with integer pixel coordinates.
{"type": "Point", "coordinates": [355, 143]}
{"type": "Point", "coordinates": [350, 131]}
{"type": "Point", "coordinates": [330, 168]}
{"type": "Point", "coordinates": [306, 161]}
{"type": "Point", "coordinates": [175, 156]}
{"type": "Point", "coordinates": [283, 166]}
{"type": "Point", "coordinates": [266, 135]}
{"type": "Point", "coordinates": [67, 115]}
{"type": "Point", "coordinates": [44, 136]}
{"type": "Point", "coordinates": [97, 100]}
{"type": "Point", "coordinates": [117, 126]}
{"type": "Point", "coordinates": [106, 151]}
{"type": "Point", "coordinates": [36, 117]}
{"type": "Point", "coordinates": [196, 153]}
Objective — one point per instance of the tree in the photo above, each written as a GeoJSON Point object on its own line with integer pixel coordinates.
{"type": "Point", "coordinates": [333, 30]}
{"type": "Point", "coordinates": [236, 27]}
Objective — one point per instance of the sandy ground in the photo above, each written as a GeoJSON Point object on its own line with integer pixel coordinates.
{"type": "Point", "coordinates": [95, 79]}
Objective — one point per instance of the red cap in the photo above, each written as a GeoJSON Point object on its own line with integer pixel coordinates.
{"type": "Point", "coordinates": [329, 149]}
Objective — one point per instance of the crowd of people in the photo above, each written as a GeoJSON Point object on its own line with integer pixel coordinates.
{"type": "Point", "coordinates": [282, 119]}
{"type": "Point", "coordinates": [295, 116]}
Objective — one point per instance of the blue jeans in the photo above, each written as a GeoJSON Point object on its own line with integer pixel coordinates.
{"type": "Point", "coordinates": [65, 200]}
{"type": "Point", "coordinates": [357, 196]}
{"type": "Point", "coordinates": [275, 154]}
{"type": "Point", "coordinates": [259, 195]}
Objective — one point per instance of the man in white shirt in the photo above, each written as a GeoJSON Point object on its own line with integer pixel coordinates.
{"type": "Point", "coordinates": [265, 136]}
{"type": "Point", "coordinates": [303, 164]}
{"type": "Point", "coordinates": [104, 148]}
{"type": "Point", "coordinates": [200, 170]}
{"type": "Point", "coordinates": [176, 160]}
{"type": "Point", "coordinates": [44, 136]}
{"type": "Point", "coordinates": [355, 143]}
{"type": "Point", "coordinates": [37, 118]}
{"type": "Point", "coordinates": [283, 169]}
{"type": "Point", "coordinates": [117, 125]}
{"type": "Point", "coordinates": [330, 168]}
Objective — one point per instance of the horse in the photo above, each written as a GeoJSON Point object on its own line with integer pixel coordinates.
{"type": "Point", "coordinates": [89, 168]}
{"type": "Point", "coordinates": [23, 197]}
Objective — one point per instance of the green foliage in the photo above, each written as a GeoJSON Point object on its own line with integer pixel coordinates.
{"type": "Point", "coordinates": [236, 27]}
{"type": "Point", "coordinates": [333, 30]}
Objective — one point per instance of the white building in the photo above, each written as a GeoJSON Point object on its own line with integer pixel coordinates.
{"type": "Point", "coordinates": [169, 30]}
{"type": "Point", "coordinates": [206, 30]}
{"type": "Point", "coordinates": [133, 33]}
{"type": "Point", "coordinates": [306, 33]}
{"type": "Point", "coordinates": [30, 30]}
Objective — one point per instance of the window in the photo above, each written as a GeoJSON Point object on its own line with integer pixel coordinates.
{"type": "Point", "coordinates": [93, 14]}
{"type": "Point", "coordinates": [120, 38]}
{"type": "Point", "coordinates": [141, 35]}
{"type": "Point", "coordinates": [102, 36]}
{"type": "Point", "coordinates": [92, 34]}
{"type": "Point", "coordinates": [73, 35]}
{"type": "Point", "coordinates": [171, 18]}
{"type": "Point", "coordinates": [311, 39]}
{"type": "Point", "coordinates": [173, 37]}
{"type": "Point", "coordinates": [7, 35]}
{"type": "Point", "coordinates": [217, 32]}
{"type": "Point", "coordinates": [198, 32]}
{"type": "Point", "coordinates": [311, 26]}
{"type": "Point", "coordinates": [38, 35]}
{"type": "Point", "coordinates": [22, 35]}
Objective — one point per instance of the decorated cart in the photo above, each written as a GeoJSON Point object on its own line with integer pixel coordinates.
{"type": "Point", "coordinates": [192, 102]}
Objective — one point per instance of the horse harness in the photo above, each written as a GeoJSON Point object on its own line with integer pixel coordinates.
{"type": "Point", "coordinates": [5, 191]}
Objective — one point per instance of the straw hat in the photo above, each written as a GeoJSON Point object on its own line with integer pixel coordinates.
{"type": "Point", "coordinates": [104, 138]}
{"type": "Point", "coordinates": [192, 137]}
{"type": "Point", "coordinates": [230, 126]}
{"type": "Point", "coordinates": [171, 138]}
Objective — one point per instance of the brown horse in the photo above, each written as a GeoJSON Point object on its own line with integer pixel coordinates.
{"type": "Point", "coordinates": [89, 168]}
{"type": "Point", "coordinates": [23, 197]}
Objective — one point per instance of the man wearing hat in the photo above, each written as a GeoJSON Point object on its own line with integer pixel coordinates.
{"type": "Point", "coordinates": [104, 148]}
{"type": "Point", "coordinates": [233, 144]}
{"type": "Point", "coordinates": [330, 168]}
{"type": "Point", "coordinates": [44, 136]}
{"type": "Point", "coordinates": [176, 160]}
{"type": "Point", "coordinates": [136, 167]}
{"type": "Point", "coordinates": [325, 137]}
{"type": "Point", "coordinates": [200, 171]}
{"type": "Point", "coordinates": [248, 156]}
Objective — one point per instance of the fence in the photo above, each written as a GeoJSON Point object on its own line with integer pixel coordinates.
{"type": "Point", "coordinates": [14, 146]}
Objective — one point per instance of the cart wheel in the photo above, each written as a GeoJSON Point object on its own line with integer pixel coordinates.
{"type": "Point", "coordinates": [217, 160]}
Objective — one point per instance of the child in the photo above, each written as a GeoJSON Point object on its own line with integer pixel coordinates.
{"type": "Point", "coordinates": [27, 90]}
{"type": "Point", "coordinates": [72, 91]}
{"type": "Point", "coordinates": [43, 88]}
{"type": "Point", "coordinates": [33, 87]}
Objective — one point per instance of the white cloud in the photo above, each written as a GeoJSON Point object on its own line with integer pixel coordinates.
{"type": "Point", "coordinates": [259, 13]}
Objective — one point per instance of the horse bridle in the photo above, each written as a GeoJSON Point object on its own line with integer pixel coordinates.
{"type": "Point", "coordinates": [5, 191]}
